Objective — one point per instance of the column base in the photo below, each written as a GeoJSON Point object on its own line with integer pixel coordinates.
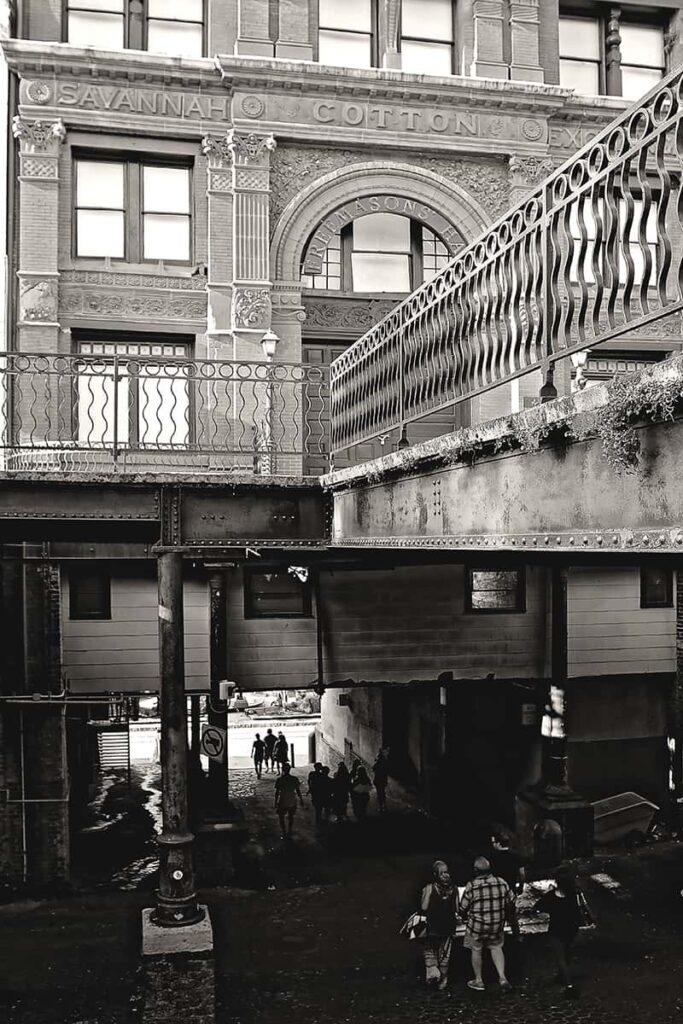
{"type": "Point", "coordinates": [192, 937]}
{"type": "Point", "coordinates": [537, 808]}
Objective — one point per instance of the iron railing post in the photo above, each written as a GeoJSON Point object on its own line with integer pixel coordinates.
{"type": "Point", "coordinates": [115, 450]}
{"type": "Point", "coordinates": [548, 390]}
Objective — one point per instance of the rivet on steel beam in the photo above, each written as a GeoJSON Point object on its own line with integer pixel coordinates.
{"type": "Point", "coordinates": [524, 540]}
{"type": "Point", "coordinates": [571, 540]}
{"type": "Point", "coordinates": [585, 540]}
{"type": "Point", "coordinates": [546, 540]}
{"type": "Point", "coordinates": [558, 540]}
{"type": "Point", "coordinates": [646, 539]}
{"type": "Point", "coordinates": [599, 540]}
{"type": "Point", "coordinates": [615, 539]}
{"type": "Point", "coordinates": [535, 540]}
{"type": "Point", "coordinates": [661, 540]}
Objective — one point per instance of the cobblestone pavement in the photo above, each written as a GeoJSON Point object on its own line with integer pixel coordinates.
{"type": "Point", "coordinates": [322, 946]}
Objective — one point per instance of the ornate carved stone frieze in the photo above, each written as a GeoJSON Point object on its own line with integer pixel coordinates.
{"type": "Point", "coordinates": [251, 307]}
{"type": "Point", "coordinates": [38, 136]}
{"type": "Point", "coordinates": [292, 169]}
{"type": "Point", "coordinates": [38, 300]}
{"type": "Point", "coordinates": [132, 304]}
{"type": "Point", "coordinates": [342, 315]}
{"type": "Point", "coordinates": [124, 280]}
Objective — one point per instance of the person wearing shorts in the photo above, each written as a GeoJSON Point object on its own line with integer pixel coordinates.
{"type": "Point", "coordinates": [287, 793]}
{"type": "Point", "coordinates": [485, 905]}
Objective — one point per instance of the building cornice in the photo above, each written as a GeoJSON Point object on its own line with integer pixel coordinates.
{"type": "Point", "coordinates": [30, 58]}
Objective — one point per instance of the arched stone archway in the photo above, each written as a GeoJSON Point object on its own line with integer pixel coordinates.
{"type": "Point", "coordinates": [308, 209]}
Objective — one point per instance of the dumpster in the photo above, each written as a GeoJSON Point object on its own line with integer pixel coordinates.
{"type": "Point", "coordinates": [622, 815]}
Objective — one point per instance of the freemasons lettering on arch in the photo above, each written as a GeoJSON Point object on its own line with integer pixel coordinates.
{"type": "Point", "coordinates": [389, 203]}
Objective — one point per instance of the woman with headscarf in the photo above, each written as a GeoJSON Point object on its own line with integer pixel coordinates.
{"type": "Point", "coordinates": [439, 904]}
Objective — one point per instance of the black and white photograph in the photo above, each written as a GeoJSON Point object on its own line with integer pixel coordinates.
{"type": "Point", "coordinates": [341, 512]}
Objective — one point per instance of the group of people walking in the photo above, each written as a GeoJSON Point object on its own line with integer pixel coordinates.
{"type": "Point", "coordinates": [272, 750]}
{"type": "Point", "coordinates": [487, 903]}
{"type": "Point", "coordinates": [330, 793]}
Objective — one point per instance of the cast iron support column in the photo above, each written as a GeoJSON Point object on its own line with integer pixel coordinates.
{"type": "Point", "coordinates": [676, 727]}
{"type": "Point", "coordinates": [218, 806]}
{"type": "Point", "coordinates": [176, 897]}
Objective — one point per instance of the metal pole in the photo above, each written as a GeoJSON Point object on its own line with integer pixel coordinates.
{"type": "Point", "coordinates": [218, 807]}
{"type": "Point", "coordinates": [555, 760]}
{"type": "Point", "coordinates": [176, 897]}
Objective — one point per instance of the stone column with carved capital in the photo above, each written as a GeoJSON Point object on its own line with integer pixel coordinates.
{"type": "Point", "coordinates": [253, 31]}
{"type": "Point", "coordinates": [216, 148]}
{"type": "Point", "coordinates": [489, 60]}
{"type": "Point", "coordinates": [525, 64]}
{"type": "Point", "coordinates": [39, 144]}
{"type": "Point", "coordinates": [251, 306]}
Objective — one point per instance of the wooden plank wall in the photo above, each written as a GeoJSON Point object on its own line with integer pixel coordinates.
{"type": "Point", "coordinates": [410, 623]}
{"type": "Point", "coordinates": [122, 653]}
{"type": "Point", "coordinates": [609, 633]}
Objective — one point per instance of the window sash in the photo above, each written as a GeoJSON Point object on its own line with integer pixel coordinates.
{"type": "Point", "coordinates": [152, 411]}
{"type": "Point", "coordinates": [656, 593]}
{"type": "Point", "coordinates": [264, 599]}
{"type": "Point", "coordinates": [136, 215]}
{"type": "Point", "coordinates": [89, 594]}
{"type": "Point", "coordinates": [154, 15]}
{"type": "Point", "coordinates": [595, 59]}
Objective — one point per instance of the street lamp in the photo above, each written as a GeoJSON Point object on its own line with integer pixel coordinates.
{"type": "Point", "coordinates": [579, 360]}
{"type": "Point", "coordinates": [269, 343]}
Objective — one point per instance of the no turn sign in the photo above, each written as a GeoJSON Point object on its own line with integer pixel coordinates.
{"type": "Point", "coordinates": [213, 742]}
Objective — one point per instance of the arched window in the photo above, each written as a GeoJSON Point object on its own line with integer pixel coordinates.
{"type": "Point", "coordinates": [380, 252]}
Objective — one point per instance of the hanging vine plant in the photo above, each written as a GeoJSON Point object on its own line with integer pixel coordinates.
{"type": "Point", "coordinates": [634, 398]}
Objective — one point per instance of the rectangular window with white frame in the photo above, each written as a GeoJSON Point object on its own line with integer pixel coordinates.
{"type": "Point", "coordinates": [137, 210]}
{"type": "Point", "coordinates": [173, 27]}
{"type": "Point", "coordinates": [347, 34]}
{"type": "Point", "coordinates": [427, 37]}
{"type": "Point", "coordinates": [583, 42]}
{"type": "Point", "coordinates": [132, 392]}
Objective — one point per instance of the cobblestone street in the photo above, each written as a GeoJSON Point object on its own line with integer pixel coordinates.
{"type": "Point", "coordinates": [323, 946]}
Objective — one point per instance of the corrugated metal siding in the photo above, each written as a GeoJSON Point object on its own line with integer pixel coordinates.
{"type": "Point", "coordinates": [609, 633]}
{"type": "Point", "coordinates": [122, 653]}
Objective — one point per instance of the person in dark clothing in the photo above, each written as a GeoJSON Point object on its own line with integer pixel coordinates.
{"type": "Point", "coordinates": [340, 791]}
{"type": "Point", "coordinates": [561, 905]}
{"type": "Point", "coordinates": [380, 777]}
{"type": "Point", "coordinates": [287, 793]}
{"type": "Point", "coordinates": [269, 742]}
{"type": "Point", "coordinates": [281, 752]}
{"type": "Point", "coordinates": [360, 794]}
{"type": "Point", "coordinates": [327, 787]}
{"type": "Point", "coordinates": [317, 790]}
{"type": "Point", "coordinates": [258, 749]}
{"type": "Point", "coordinates": [439, 904]}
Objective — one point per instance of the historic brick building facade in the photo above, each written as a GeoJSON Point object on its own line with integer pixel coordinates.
{"type": "Point", "coordinates": [190, 176]}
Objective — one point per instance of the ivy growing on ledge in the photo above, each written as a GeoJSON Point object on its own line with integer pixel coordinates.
{"type": "Point", "coordinates": [631, 399]}
{"type": "Point", "coordinates": [634, 398]}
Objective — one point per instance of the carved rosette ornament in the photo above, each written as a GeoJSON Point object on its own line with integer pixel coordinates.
{"type": "Point", "coordinates": [38, 136]}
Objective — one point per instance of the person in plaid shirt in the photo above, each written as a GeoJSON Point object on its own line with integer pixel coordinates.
{"type": "Point", "coordinates": [486, 903]}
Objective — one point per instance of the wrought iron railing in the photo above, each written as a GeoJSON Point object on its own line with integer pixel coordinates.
{"type": "Point", "coordinates": [592, 253]}
{"type": "Point", "coordinates": [74, 412]}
